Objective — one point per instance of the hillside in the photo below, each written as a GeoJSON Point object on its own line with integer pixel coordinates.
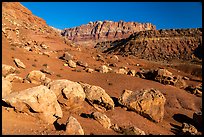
{"type": "Point", "coordinates": [52, 86]}
{"type": "Point", "coordinates": [158, 45]}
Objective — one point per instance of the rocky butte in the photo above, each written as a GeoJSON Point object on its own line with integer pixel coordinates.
{"type": "Point", "coordinates": [104, 30]}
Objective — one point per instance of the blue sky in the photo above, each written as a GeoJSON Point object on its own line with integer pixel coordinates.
{"type": "Point", "coordinates": [164, 15]}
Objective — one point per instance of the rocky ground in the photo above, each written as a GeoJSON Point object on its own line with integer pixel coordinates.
{"type": "Point", "coordinates": [51, 86]}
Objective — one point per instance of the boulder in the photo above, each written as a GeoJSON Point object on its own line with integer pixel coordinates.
{"type": "Point", "coordinates": [102, 119]}
{"type": "Point", "coordinates": [6, 69]}
{"type": "Point", "coordinates": [36, 77]}
{"type": "Point", "coordinates": [37, 101]}
{"type": "Point", "coordinates": [70, 94]}
{"type": "Point", "coordinates": [6, 87]}
{"type": "Point", "coordinates": [147, 102]}
{"type": "Point", "coordinates": [14, 78]}
{"type": "Point", "coordinates": [97, 97]}
{"type": "Point", "coordinates": [73, 127]}
{"type": "Point", "coordinates": [19, 63]}
{"type": "Point", "coordinates": [72, 64]}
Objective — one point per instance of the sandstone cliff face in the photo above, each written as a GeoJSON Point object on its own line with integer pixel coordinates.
{"type": "Point", "coordinates": [184, 44]}
{"type": "Point", "coordinates": [106, 30]}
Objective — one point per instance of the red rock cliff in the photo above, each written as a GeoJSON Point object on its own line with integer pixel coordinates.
{"type": "Point", "coordinates": [106, 30]}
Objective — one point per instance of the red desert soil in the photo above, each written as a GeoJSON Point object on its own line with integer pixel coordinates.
{"type": "Point", "coordinates": [178, 101]}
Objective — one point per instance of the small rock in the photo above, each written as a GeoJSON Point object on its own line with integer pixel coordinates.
{"type": "Point", "coordinates": [47, 71]}
{"type": "Point", "coordinates": [83, 64]}
{"type": "Point", "coordinates": [89, 70]}
{"type": "Point", "coordinates": [67, 56]}
{"type": "Point", "coordinates": [65, 64]}
{"type": "Point", "coordinates": [72, 64]}
{"type": "Point", "coordinates": [6, 69]}
{"type": "Point", "coordinates": [6, 87]}
{"type": "Point", "coordinates": [36, 77]}
{"type": "Point", "coordinates": [97, 97]}
{"type": "Point", "coordinates": [102, 119]}
{"type": "Point", "coordinates": [14, 78]}
{"type": "Point", "coordinates": [186, 78]}
{"type": "Point", "coordinates": [19, 63]}
{"type": "Point", "coordinates": [188, 129]}
{"type": "Point", "coordinates": [131, 72]}
{"type": "Point", "coordinates": [104, 69]}
{"type": "Point", "coordinates": [73, 127]}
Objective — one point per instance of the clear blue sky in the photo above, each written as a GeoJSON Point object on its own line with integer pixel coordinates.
{"type": "Point", "coordinates": [164, 15]}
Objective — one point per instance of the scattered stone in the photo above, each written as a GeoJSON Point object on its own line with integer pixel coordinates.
{"type": "Point", "coordinates": [131, 72]}
{"type": "Point", "coordinates": [97, 97]}
{"type": "Point", "coordinates": [6, 69]}
{"type": "Point", "coordinates": [147, 102]}
{"type": "Point", "coordinates": [65, 64]}
{"type": "Point", "coordinates": [163, 76]}
{"type": "Point", "coordinates": [121, 71]}
{"type": "Point", "coordinates": [137, 65]}
{"type": "Point", "coordinates": [113, 65]}
{"type": "Point", "coordinates": [115, 58]}
{"type": "Point", "coordinates": [67, 56]}
{"type": "Point", "coordinates": [46, 53]}
{"type": "Point", "coordinates": [102, 119]}
{"type": "Point", "coordinates": [73, 127]}
{"type": "Point", "coordinates": [104, 69]}
{"type": "Point", "coordinates": [36, 77]}
{"type": "Point", "coordinates": [6, 87]}
{"type": "Point", "coordinates": [132, 131]}
{"type": "Point", "coordinates": [100, 58]}
{"type": "Point", "coordinates": [196, 90]}
{"type": "Point", "coordinates": [186, 78]}
{"type": "Point", "coordinates": [70, 94]}
{"type": "Point", "coordinates": [83, 64]}
{"type": "Point", "coordinates": [43, 46]}
{"type": "Point", "coordinates": [14, 78]}
{"type": "Point", "coordinates": [89, 70]}
{"type": "Point", "coordinates": [47, 71]}
{"type": "Point", "coordinates": [19, 63]}
{"type": "Point", "coordinates": [37, 101]}
{"type": "Point", "coordinates": [188, 129]}
{"type": "Point", "coordinates": [72, 64]}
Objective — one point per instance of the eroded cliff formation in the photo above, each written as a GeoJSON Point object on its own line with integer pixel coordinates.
{"type": "Point", "coordinates": [183, 44]}
{"type": "Point", "coordinates": [106, 30]}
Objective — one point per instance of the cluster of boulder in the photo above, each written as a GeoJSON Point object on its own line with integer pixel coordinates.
{"type": "Point", "coordinates": [47, 99]}
{"type": "Point", "coordinates": [162, 76]}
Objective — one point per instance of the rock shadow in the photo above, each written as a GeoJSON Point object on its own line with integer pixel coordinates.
{"type": "Point", "coordinates": [181, 118]}
{"type": "Point", "coordinates": [117, 104]}
{"type": "Point", "coordinates": [59, 126]}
